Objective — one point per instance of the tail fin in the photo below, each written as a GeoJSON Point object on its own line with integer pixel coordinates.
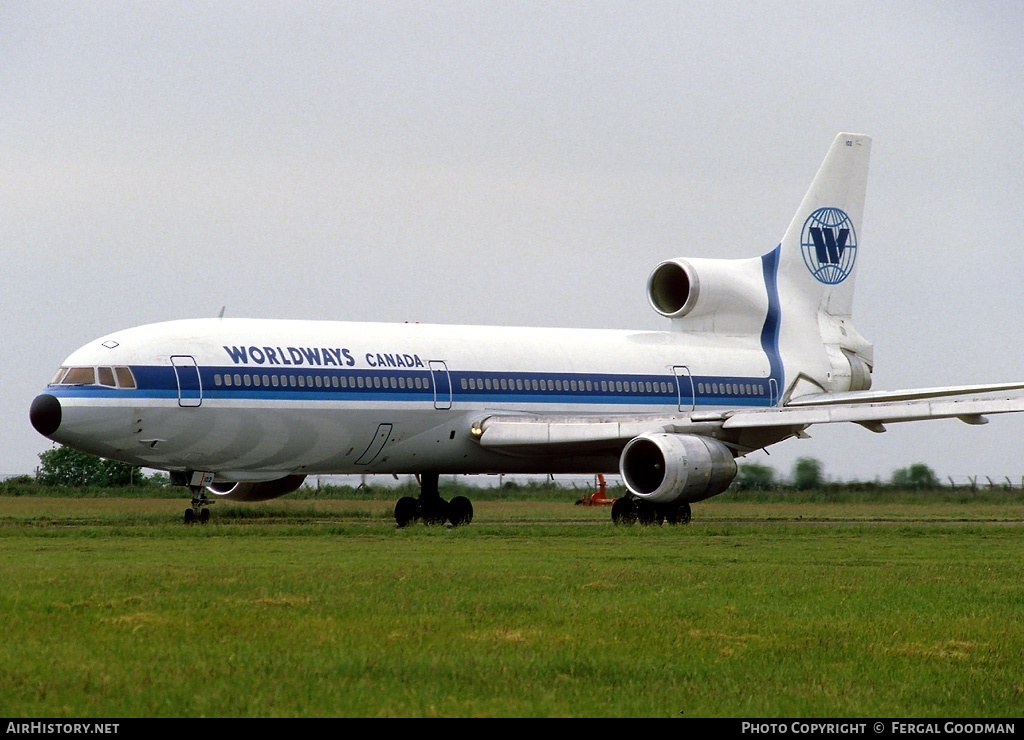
{"type": "Point", "coordinates": [818, 254]}
{"type": "Point", "coordinates": [814, 271]}
{"type": "Point", "coordinates": [797, 299]}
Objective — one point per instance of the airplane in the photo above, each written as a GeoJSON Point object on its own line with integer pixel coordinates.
{"type": "Point", "coordinates": [757, 350]}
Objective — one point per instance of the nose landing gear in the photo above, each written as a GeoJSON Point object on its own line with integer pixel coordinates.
{"type": "Point", "coordinates": [198, 512]}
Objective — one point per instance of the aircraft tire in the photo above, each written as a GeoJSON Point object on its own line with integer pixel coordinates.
{"type": "Point", "coordinates": [190, 516]}
{"type": "Point", "coordinates": [407, 511]}
{"type": "Point", "coordinates": [624, 511]}
{"type": "Point", "coordinates": [460, 511]}
{"type": "Point", "coordinates": [434, 511]}
{"type": "Point", "coordinates": [646, 512]}
{"type": "Point", "coordinates": [683, 514]}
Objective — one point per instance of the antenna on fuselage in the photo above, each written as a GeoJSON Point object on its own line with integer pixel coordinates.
{"type": "Point", "coordinates": [221, 314]}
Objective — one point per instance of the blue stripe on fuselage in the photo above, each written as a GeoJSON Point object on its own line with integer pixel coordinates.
{"type": "Point", "coordinates": [773, 319]}
{"type": "Point", "coordinates": [318, 384]}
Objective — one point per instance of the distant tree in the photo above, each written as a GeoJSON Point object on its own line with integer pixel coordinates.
{"type": "Point", "coordinates": [20, 480]}
{"type": "Point", "coordinates": [755, 477]}
{"type": "Point", "coordinates": [917, 477]}
{"type": "Point", "coordinates": [157, 479]}
{"type": "Point", "coordinates": [64, 466]}
{"type": "Point", "coordinates": [807, 474]}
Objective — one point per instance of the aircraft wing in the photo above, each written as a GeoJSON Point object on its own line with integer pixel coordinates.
{"type": "Point", "coordinates": [610, 432]}
{"type": "Point", "coordinates": [875, 415]}
{"type": "Point", "coordinates": [911, 394]}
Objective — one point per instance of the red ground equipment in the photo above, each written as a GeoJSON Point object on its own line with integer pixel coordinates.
{"type": "Point", "coordinates": [598, 497]}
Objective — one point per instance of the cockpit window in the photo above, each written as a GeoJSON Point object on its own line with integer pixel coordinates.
{"type": "Point", "coordinates": [111, 377]}
{"type": "Point", "coordinates": [125, 379]}
{"type": "Point", "coordinates": [80, 376]}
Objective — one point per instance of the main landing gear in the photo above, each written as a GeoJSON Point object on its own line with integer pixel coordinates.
{"type": "Point", "coordinates": [198, 512]}
{"type": "Point", "coordinates": [629, 510]}
{"type": "Point", "coordinates": [430, 508]}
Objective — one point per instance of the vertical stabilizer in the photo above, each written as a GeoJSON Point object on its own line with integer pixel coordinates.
{"type": "Point", "coordinates": [819, 253]}
{"type": "Point", "coordinates": [814, 269]}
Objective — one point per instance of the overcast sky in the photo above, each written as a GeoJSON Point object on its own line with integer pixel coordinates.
{"type": "Point", "coordinates": [515, 163]}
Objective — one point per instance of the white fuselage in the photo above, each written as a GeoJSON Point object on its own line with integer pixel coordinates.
{"type": "Point", "coordinates": [252, 399]}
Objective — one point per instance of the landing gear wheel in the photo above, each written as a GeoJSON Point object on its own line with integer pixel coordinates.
{"type": "Point", "coordinates": [434, 511]}
{"type": "Point", "coordinates": [460, 511]}
{"type": "Point", "coordinates": [624, 511]}
{"type": "Point", "coordinates": [407, 511]}
{"type": "Point", "coordinates": [683, 514]}
{"type": "Point", "coordinates": [646, 512]}
{"type": "Point", "coordinates": [198, 512]}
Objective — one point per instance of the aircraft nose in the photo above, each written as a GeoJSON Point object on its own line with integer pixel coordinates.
{"type": "Point", "coordinates": [45, 414]}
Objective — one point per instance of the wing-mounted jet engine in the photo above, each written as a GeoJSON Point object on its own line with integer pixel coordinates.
{"type": "Point", "coordinates": [665, 473]}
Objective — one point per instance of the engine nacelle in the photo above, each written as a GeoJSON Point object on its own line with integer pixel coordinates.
{"type": "Point", "coordinates": [673, 288]}
{"type": "Point", "coordinates": [711, 294]}
{"type": "Point", "coordinates": [667, 468]}
{"type": "Point", "coordinates": [255, 490]}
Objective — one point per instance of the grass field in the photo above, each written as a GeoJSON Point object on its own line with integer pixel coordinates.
{"type": "Point", "coordinates": [113, 608]}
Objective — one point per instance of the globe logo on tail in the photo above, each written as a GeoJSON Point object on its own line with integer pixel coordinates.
{"type": "Point", "coordinates": [829, 245]}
